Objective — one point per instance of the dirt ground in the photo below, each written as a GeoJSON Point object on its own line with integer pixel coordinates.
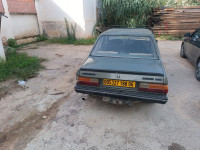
{"type": "Point", "coordinates": [48, 114]}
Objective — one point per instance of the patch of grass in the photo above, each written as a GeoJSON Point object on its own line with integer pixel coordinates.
{"type": "Point", "coordinates": [12, 43]}
{"type": "Point", "coordinates": [89, 41]}
{"type": "Point", "coordinates": [41, 38]}
{"type": "Point", "coordinates": [19, 65]}
{"type": "Point", "coordinates": [168, 37]}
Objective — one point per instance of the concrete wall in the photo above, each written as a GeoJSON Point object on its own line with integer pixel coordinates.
{"type": "Point", "coordinates": [2, 54]}
{"type": "Point", "coordinates": [51, 15]}
{"type": "Point", "coordinates": [6, 24]}
{"type": "Point", "coordinates": [24, 26]}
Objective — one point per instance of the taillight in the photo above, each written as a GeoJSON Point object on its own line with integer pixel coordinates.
{"type": "Point", "coordinates": [88, 81]}
{"type": "Point", "coordinates": [157, 88]}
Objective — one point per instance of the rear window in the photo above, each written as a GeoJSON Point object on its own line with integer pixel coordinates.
{"type": "Point", "coordinates": [125, 46]}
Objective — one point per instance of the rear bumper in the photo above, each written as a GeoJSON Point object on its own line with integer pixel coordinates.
{"type": "Point", "coordinates": [126, 95]}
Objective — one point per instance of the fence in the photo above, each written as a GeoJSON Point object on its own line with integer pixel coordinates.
{"type": "Point", "coordinates": [176, 21]}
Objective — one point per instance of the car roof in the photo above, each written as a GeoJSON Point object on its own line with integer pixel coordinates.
{"type": "Point", "coordinates": [137, 31]}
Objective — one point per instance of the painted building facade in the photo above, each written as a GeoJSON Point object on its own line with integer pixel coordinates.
{"type": "Point", "coordinates": [30, 18]}
{"type": "Point", "coordinates": [80, 13]}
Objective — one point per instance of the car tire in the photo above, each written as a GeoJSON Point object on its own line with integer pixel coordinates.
{"type": "Point", "coordinates": [198, 71]}
{"type": "Point", "coordinates": [182, 52]}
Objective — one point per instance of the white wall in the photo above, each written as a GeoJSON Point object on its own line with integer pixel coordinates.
{"type": "Point", "coordinates": [2, 54]}
{"type": "Point", "coordinates": [51, 15]}
{"type": "Point", "coordinates": [6, 24]}
{"type": "Point", "coordinates": [24, 26]}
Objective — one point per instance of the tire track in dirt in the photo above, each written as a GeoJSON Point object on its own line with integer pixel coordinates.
{"type": "Point", "coordinates": [18, 136]}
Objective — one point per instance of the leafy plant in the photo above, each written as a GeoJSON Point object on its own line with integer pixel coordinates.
{"type": "Point", "coordinates": [41, 38]}
{"type": "Point", "coordinates": [71, 31]}
{"type": "Point", "coordinates": [12, 43]}
{"type": "Point", "coordinates": [132, 13]}
{"type": "Point", "coordinates": [126, 13]}
{"type": "Point", "coordinates": [10, 50]}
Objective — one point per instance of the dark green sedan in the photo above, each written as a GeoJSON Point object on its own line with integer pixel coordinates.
{"type": "Point", "coordinates": [190, 48]}
{"type": "Point", "coordinates": [124, 66]}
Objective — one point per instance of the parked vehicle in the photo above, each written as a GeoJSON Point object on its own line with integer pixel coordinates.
{"type": "Point", "coordinates": [190, 48]}
{"type": "Point", "coordinates": [124, 65]}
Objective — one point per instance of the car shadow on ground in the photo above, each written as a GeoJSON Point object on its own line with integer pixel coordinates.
{"type": "Point", "coordinates": [98, 103]}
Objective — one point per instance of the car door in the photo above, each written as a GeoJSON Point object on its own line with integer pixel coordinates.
{"type": "Point", "coordinates": [188, 43]}
{"type": "Point", "coordinates": [195, 41]}
{"type": "Point", "coordinates": [188, 46]}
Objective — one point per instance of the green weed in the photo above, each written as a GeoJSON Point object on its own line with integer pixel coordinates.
{"type": "Point", "coordinates": [19, 65]}
{"type": "Point", "coordinates": [169, 37]}
{"type": "Point", "coordinates": [71, 31]}
{"type": "Point", "coordinates": [41, 38]}
{"type": "Point", "coordinates": [89, 41]}
{"type": "Point", "coordinates": [12, 43]}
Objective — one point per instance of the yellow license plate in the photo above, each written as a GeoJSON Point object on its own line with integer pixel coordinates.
{"type": "Point", "coordinates": [110, 82]}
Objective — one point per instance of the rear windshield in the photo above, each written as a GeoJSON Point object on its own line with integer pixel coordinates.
{"type": "Point", "coordinates": [125, 46]}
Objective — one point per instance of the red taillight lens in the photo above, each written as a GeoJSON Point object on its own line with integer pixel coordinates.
{"type": "Point", "coordinates": [156, 88]}
{"type": "Point", "coordinates": [88, 81]}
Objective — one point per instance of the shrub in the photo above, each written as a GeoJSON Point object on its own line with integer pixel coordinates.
{"type": "Point", "coordinates": [12, 43]}
{"type": "Point", "coordinates": [131, 13]}
{"type": "Point", "coordinates": [128, 13]}
{"type": "Point", "coordinates": [71, 31]}
{"type": "Point", "coordinates": [41, 38]}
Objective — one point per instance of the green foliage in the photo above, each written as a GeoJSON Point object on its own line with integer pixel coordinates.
{"type": "Point", "coordinates": [89, 41]}
{"type": "Point", "coordinates": [12, 43]}
{"type": "Point", "coordinates": [128, 13]}
{"type": "Point", "coordinates": [10, 50]}
{"type": "Point", "coordinates": [71, 31]}
{"type": "Point", "coordinates": [41, 38]}
{"type": "Point", "coordinates": [19, 65]}
{"type": "Point", "coordinates": [168, 37]}
{"type": "Point", "coordinates": [132, 13]}
{"type": "Point", "coordinates": [178, 3]}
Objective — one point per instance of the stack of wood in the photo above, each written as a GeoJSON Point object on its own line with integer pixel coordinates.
{"type": "Point", "coordinates": [176, 21]}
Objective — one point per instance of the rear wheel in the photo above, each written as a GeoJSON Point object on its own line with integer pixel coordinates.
{"type": "Point", "coordinates": [198, 71]}
{"type": "Point", "coordinates": [182, 52]}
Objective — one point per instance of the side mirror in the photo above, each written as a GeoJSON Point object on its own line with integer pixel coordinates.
{"type": "Point", "coordinates": [187, 35]}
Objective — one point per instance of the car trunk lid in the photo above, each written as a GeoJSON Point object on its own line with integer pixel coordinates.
{"type": "Point", "coordinates": [124, 65]}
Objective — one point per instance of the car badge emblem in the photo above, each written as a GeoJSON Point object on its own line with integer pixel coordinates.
{"type": "Point", "coordinates": [118, 76]}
